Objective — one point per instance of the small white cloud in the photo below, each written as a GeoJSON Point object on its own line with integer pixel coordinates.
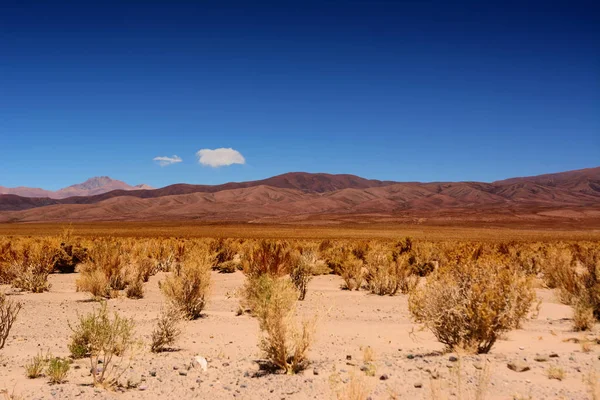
{"type": "Point", "coordinates": [220, 157]}
{"type": "Point", "coordinates": [163, 161]}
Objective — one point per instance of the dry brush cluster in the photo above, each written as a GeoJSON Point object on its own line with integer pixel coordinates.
{"type": "Point", "coordinates": [466, 293]}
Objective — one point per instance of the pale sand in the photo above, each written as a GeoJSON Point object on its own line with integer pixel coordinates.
{"type": "Point", "coordinates": [347, 321]}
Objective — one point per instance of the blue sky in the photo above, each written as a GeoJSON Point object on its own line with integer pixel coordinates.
{"type": "Point", "coordinates": [406, 91]}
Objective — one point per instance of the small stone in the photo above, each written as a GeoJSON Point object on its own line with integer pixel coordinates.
{"type": "Point", "coordinates": [418, 385]}
{"type": "Point", "coordinates": [540, 358]}
{"type": "Point", "coordinates": [521, 348]}
{"type": "Point", "coordinates": [243, 386]}
{"type": "Point", "coordinates": [453, 358]}
{"type": "Point", "coordinates": [315, 371]}
{"type": "Point", "coordinates": [142, 387]}
{"type": "Point", "coordinates": [200, 362]}
{"type": "Point", "coordinates": [225, 364]}
{"type": "Point", "coordinates": [384, 377]}
{"type": "Point", "coordinates": [175, 367]}
{"type": "Point", "coordinates": [183, 373]}
{"type": "Point", "coordinates": [348, 357]}
{"type": "Point", "coordinates": [477, 365]}
{"type": "Point", "coordinates": [553, 355]}
{"type": "Point", "coordinates": [518, 366]}
{"type": "Point", "coordinates": [153, 373]}
{"type": "Point", "coordinates": [410, 356]}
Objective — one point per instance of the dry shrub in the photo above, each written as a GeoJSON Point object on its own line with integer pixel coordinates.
{"type": "Point", "coordinates": [57, 370]}
{"type": "Point", "coordinates": [557, 373]}
{"type": "Point", "coordinates": [578, 282]}
{"type": "Point", "coordinates": [303, 269]}
{"type": "Point", "coordinates": [9, 310]}
{"type": "Point", "coordinates": [188, 286]}
{"type": "Point", "coordinates": [386, 276]}
{"type": "Point", "coordinates": [31, 267]}
{"type": "Point", "coordinates": [106, 342]}
{"type": "Point", "coordinates": [106, 271]}
{"type": "Point", "coordinates": [135, 290]}
{"type": "Point", "coordinates": [268, 257]}
{"type": "Point", "coordinates": [69, 254]}
{"type": "Point", "coordinates": [166, 332]}
{"type": "Point", "coordinates": [272, 300]}
{"type": "Point", "coordinates": [468, 306]}
{"type": "Point", "coordinates": [226, 256]}
{"type": "Point", "coordinates": [355, 389]}
{"type": "Point", "coordinates": [583, 316]}
{"type": "Point", "coordinates": [352, 272]}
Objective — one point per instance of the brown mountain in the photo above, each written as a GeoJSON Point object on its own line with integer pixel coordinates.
{"type": "Point", "coordinates": [572, 196]}
{"type": "Point", "coordinates": [93, 186]}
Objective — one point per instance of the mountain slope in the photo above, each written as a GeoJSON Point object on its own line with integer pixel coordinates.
{"type": "Point", "coordinates": [573, 195]}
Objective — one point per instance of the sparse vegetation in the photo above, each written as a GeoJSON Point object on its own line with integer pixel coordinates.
{"type": "Point", "coordinates": [187, 288]}
{"type": "Point", "coordinates": [467, 292]}
{"type": "Point", "coordinates": [166, 332]}
{"type": "Point", "coordinates": [272, 300]}
{"type": "Point", "coordinates": [352, 272]}
{"type": "Point", "coordinates": [107, 342]}
{"type": "Point", "coordinates": [35, 367]}
{"type": "Point", "coordinates": [9, 310]}
{"type": "Point", "coordinates": [303, 270]}
{"type": "Point", "coordinates": [57, 370]}
{"type": "Point", "coordinates": [557, 373]}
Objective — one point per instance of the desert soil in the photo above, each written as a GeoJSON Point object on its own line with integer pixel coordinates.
{"type": "Point", "coordinates": [347, 322]}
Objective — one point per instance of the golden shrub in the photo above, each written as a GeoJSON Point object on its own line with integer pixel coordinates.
{"type": "Point", "coordinates": [187, 287]}
{"type": "Point", "coordinates": [469, 306]}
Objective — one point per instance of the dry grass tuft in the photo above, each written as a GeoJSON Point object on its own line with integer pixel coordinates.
{"type": "Point", "coordinates": [35, 367]}
{"type": "Point", "coordinates": [557, 373]}
{"type": "Point", "coordinates": [166, 332]}
{"type": "Point", "coordinates": [57, 370]}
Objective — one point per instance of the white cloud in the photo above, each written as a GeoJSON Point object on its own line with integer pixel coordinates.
{"type": "Point", "coordinates": [220, 157]}
{"type": "Point", "coordinates": [163, 161]}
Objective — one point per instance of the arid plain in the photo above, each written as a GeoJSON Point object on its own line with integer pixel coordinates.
{"type": "Point", "coordinates": [310, 286]}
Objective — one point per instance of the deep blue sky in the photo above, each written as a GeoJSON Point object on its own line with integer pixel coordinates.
{"type": "Point", "coordinates": [415, 90]}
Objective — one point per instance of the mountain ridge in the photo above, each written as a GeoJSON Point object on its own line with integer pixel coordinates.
{"type": "Point", "coordinates": [571, 195]}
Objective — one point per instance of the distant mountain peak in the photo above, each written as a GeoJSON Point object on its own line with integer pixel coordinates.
{"type": "Point", "coordinates": [96, 182]}
{"type": "Point", "coordinates": [92, 186]}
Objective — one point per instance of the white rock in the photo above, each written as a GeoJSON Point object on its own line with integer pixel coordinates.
{"type": "Point", "coordinates": [200, 362]}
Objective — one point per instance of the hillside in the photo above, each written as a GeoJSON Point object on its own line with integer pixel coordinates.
{"type": "Point", "coordinates": [569, 196]}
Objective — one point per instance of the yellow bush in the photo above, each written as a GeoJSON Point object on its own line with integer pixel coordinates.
{"type": "Point", "coordinates": [188, 285]}
{"type": "Point", "coordinates": [469, 306]}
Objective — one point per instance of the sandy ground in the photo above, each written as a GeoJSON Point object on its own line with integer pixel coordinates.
{"type": "Point", "coordinates": [347, 322]}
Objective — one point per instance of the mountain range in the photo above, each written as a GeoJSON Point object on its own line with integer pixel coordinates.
{"type": "Point", "coordinates": [96, 185]}
{"type": "Point", "coordinates": [565, 198]}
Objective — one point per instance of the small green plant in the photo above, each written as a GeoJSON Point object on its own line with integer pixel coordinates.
{"type": "Point", "coordinates": [57, 370]}
{"type": "Point", "coordinates": [106, 342]}
{"type": "Point", "coordinates": [35, 367]}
